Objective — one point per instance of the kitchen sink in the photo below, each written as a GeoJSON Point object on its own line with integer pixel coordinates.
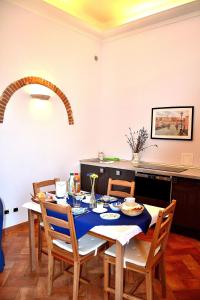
{"type": "Point", "coordinates": [161, 168]}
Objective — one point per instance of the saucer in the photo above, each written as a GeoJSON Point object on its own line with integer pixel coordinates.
{"type": "Point", "coordinates": [99, 210]}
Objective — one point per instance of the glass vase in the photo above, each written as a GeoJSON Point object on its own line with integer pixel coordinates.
{"type": "Point", "coordinates": [135, 158]}
{"type": "Point", "coordinates": [93, 201]}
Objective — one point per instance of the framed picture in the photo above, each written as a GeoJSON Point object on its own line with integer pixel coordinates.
{"type": "Point", "coordinates": [172, 123]}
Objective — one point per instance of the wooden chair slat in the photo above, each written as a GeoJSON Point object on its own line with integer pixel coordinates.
{"type": "Point", "coordinates": [57, 222]}
{"type": "Point", "coordinates": [58, 235]}
{"type": "Point", "coordinates": [58, 208]}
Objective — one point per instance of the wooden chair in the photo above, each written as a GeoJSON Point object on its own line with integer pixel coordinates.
{"type": "Point", "coordinates": [120, 183]}
{"type": "Point", "coordinates": [48, 186]}
{"type": "Point", "coordinates": [143, 257]}
{"type": "Point", "coordinates": [66, 247]}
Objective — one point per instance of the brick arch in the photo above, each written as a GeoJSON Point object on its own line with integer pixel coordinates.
{"type": "Point", "coordinates": [13, 87]}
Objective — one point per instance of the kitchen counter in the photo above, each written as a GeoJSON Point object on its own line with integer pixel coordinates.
{"type": "Point", "coordinates": [150, 168]}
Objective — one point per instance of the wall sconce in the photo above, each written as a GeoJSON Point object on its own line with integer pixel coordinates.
{"type": "Point", "coordinates": [40, 96]}
{"type": "Point", "coordinates": [40, 92]}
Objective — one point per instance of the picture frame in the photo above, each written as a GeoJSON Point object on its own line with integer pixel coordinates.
{"type": "Point", "coordinates": [172, 123]}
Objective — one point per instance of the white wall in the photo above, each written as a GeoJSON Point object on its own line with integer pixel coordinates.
{"type": "Point", "coordinates": [136, 72]}
{"type": "Point", "coordinates": [37, 143]}
{"type": "Point", "coordinates": [154, 68]}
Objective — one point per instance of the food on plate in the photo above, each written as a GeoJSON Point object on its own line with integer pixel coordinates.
{"type": "Point", "coordinates": [136, 207]}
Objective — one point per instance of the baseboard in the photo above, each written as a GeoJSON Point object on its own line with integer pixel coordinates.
{"type": "Point", "coordinates": [17, 227]}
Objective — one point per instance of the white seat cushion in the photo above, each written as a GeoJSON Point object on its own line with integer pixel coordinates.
{"type": "Point", "coordinates": [86, 244]}
{"type": "Point", "coordinates": [136, 252]}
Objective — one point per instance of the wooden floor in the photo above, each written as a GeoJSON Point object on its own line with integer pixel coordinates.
{"type": "Point", "coordinates": [16, 282]}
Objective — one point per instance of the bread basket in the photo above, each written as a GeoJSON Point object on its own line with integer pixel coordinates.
{"type": "Point", "coordinates": [132, 210]}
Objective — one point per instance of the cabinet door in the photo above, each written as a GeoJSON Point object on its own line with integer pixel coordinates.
{"type": "Point", "coordinates": [101, 181]}
{"type": "Point", "coordinates": [103, 175]}
{"type": "Point", "coordinates": [187, 194]}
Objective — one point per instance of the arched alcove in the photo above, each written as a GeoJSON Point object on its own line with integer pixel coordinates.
{"type": "Point", "coordinates": [13, 87]}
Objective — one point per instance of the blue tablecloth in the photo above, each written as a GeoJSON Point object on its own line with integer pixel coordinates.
{"type": "Point", "coordinates": [84, 223]}
{"type": "Point", "coordinates": [2, 262]}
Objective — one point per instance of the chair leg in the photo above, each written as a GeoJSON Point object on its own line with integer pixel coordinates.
{"type": "Point", "coordinates": [149, 285]}
{"type": "Point", "coordinates": [162, 276]}
{"type": "Point", "coordinates": [76, 280]}
{"type": "Point", "coordinates": [39, 239]}
{"type": "Point", "coordinates": [50, 272]}
{"type": "Point", "coordinates": [106, 278]}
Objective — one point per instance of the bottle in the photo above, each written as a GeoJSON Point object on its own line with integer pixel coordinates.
{"type": "Point", "coordinates": [77, 186]}
{"type": "Point", "coordinates": [71, 183]}
{"type": "Point", "coordinates": [101, 156]}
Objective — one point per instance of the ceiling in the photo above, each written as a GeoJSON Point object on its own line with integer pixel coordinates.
{"type": "Point", "coordinates": [109, 14]}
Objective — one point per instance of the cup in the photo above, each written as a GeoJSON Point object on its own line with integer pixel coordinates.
{"type": "Point", "coordinates": [61, 201]}
{"type": "Point", "coordinates": [87, 198]}
{"type": "Point", "coordinates": [77, 201]}
{"type": "Point", "coordinates": [130, 201]}
{"type": "Point", "coordinates": [100, 205]}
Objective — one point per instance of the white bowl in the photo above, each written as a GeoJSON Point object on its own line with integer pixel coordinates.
{"type": "Point", "coordinates": [115, 207]}
{"type": "Point", "coordinates": [132, 210]}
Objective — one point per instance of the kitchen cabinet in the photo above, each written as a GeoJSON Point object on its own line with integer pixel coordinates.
{"type": "Point", "coordinates": [104, 173]}
{"type": "Point", "coordinates": [187, 214]}
{"type": "Point", "coordinates": [155, 189]}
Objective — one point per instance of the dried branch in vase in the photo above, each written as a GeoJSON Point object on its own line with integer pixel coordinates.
{"type": "Point", "coordinates": [137, 140]}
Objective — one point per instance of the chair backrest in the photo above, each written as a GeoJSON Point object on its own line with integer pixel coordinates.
{"type": "Point", "coordinates": [53, 232]}
{"type": "Point", "coordinates": [161, 233]}
{"type": "Point", "coordinates": [51, 183]}
{"type": "Point", "coordinates": [120, 183]}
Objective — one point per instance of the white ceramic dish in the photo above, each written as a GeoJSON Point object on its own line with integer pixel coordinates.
{"type": "Point", "coordinates": [78, 210]}
{"type": "Point", "coordinates": [114, 207]}
{"type": "Point", "coordinates": [132, 210]}
{"type": "Point", "coordinates": [106, 198]}
{"type": "Point", "coordinates": [110, 216]}
{"type": "Point", "coordinates": [87, 201]}
{"type": "Point", "coordinates": [99, 210]}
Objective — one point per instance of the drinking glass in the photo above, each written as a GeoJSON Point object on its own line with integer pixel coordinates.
{"type": "Point", "coordinates": [77, 201]}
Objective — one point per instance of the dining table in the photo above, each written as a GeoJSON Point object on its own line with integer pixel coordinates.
{"type": "Point", "coordinates": [118, 234]}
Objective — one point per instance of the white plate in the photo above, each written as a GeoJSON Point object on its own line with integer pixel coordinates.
{"type": "Point", "coordinates": [78, 210]}
{"type": "Point", "coordinates": [110, 216]}
{"type": "Point", "coordinates": [99, 210]}
{"type": "Point", "coordinates": [108, 198]}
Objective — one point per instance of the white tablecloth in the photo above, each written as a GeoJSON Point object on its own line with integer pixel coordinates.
{"type": "Point", "coordinates": [120, 233]}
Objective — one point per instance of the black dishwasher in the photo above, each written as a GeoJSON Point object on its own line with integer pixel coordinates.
{"type": "Point", "coordinates": [153, 189]}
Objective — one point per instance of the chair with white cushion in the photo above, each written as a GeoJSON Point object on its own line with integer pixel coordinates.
{"type": "Point", "coordinates": [143, 257]}
{"type": "Point", "coordinates": [65, 246]}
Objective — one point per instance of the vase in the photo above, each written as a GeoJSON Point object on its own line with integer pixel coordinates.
{"type": "Point", "coordinates": [135, 158]}
{"type": "Point", "coordinates": [93, 201]}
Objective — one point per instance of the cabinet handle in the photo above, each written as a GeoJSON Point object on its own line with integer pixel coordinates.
{"type": "Point", "coordinates": [101, 170]}
{"type": "Point", "coordinates": [118, 173]}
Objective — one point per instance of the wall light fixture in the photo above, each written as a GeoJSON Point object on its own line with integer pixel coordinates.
{"type": "Point", "coordinates": [40, 96]}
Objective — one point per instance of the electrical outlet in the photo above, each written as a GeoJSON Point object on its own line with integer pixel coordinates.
{"type": "Point", "coordinates": [15, 209]}
{"type": "Point", "coordinates": [6, 211]}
